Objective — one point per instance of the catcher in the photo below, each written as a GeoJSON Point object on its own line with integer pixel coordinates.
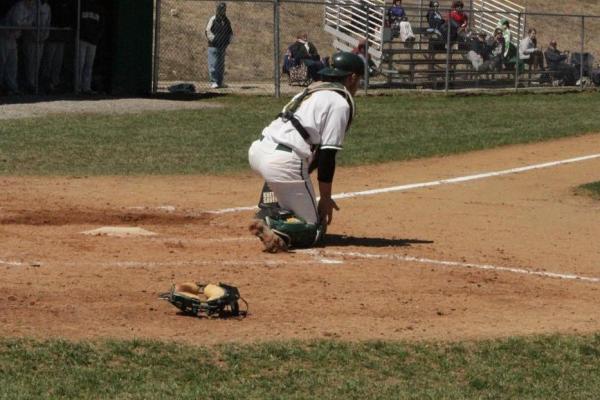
{"type": "Point", "coordinates": [305, 136]}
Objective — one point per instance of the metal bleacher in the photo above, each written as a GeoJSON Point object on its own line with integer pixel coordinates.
{"type": "Point", "coordinates": [420, 64]}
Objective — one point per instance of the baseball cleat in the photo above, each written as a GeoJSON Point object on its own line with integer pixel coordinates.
{"type": "Point", "coordinates": [272, 242]}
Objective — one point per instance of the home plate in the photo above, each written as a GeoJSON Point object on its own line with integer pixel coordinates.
{"type": "Point", "coordinates": [119, 231]}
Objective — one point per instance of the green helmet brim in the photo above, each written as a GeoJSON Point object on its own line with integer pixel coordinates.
{"type": "Point", "coordinates": [329, 71]}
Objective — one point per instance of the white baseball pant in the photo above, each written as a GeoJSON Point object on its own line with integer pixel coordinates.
{"type": "Point", "coordinates": [287, 175]}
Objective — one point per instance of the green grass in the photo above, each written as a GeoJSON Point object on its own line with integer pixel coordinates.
{"type": "Point", "coordinates": [590, 189]}
{"type": "Point", "coordinates": [215, 141]}
{"type": "Point", "coordinates": [554, 367]}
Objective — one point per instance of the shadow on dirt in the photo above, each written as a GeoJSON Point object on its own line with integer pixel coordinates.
{"type": "Point", "coordinates": [343, 240]}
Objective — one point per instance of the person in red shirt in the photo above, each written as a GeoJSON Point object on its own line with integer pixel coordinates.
{"type": "Point", "coordinates": [457, 15]}
{"type": "Point", "coordinates": [457, 24]}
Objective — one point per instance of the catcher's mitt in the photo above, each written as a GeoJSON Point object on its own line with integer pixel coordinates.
{"type": "Point", "coordinates": [206, 300]}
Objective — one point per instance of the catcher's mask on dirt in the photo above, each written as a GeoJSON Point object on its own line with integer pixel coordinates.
{"type": "Point", "coordinates": [206, 300]}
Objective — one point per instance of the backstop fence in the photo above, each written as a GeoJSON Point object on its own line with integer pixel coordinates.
{"type": "Point", "coordinates": [253, 57]}
{"type": "Point", "coordinates": [248, 52]}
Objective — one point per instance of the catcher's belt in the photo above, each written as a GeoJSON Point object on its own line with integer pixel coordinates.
{"type": "Point", "coordinates": [206, 300]}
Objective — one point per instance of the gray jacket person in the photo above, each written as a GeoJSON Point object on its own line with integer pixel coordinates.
{"type": "Point", "coordinates": [218, 33]}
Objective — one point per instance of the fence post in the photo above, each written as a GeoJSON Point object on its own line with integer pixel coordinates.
{"type": "Point", "coordinates": [471, 16]}
{"type": "Point", "coordinates": [518, 54]}
{"type": "Point", "coordinates": [481, 15]}
{"type": "Point", "coordinates": [448, 34]}
{"type": "Point", "coordinates": [157, 16]}
{"type": "Point", "coordinates": [366, 74]}
{"type": "Point", "coordinates": [36, 53]}
{"type": "Point", "coordinates": [581, 53]}
{"type": "Point", "coordinates": [420, 21]}
{"type": "Point", "coordinates": [276, 48]}
{"type": "Point", "coordinates": [77, 77]}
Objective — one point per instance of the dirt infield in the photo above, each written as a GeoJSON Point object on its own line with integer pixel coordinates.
{"type": "Point", "coordinates": [447, 262]}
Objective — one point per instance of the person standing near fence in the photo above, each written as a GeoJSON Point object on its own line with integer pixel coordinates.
{"type": "Point", "coordinates": [92, 28]}
{"type": "Point", "coordinates": [33, 43]}
{"type": "Point", "coordinates": [20, 15]}
{"type": "Point", "coordinates": [219, 33]}
{"type": "Point", "coordinates": [63, 16]}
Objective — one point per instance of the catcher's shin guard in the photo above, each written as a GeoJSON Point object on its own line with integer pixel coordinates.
{"type": "Point", "coordinates": [294, 230]}
{"type": "Point", "coordinates": [267, 203]}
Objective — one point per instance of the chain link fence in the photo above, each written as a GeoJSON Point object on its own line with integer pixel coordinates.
{"type": "Point", "coordinates": [231, 49]}
{"type": "Point", "coordinates": [254, 58]}
{"type": "Point", "coordinates": [247, 44]}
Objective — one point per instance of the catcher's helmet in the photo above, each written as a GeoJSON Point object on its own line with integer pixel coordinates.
{"type": "Point", "coordinates": [344, 63]}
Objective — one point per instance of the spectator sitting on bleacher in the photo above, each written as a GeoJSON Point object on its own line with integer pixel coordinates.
{"type": "Point", "coordinates": [529, 53]}
{"type": "Point", "coordinates": [560, 70]}
{"type": "Point", "coordinates": [479, 52]}
{"type": "Point", "coordinates": [457, 24]}
{"type": "Point", "coordinates": [509, 50]}
{"type": "Point", "coordinates": [361, 51]}
{"type": "Point", "coordinates": [434, 19]}
{"type": "Point", "coordinates": [495, 46]}
{"type": "Point", "coordinates": [303, 51]}
{"type": "Point", "coordinates": [458, 18]}
{"type": "Point", "coordinates": [458, 15]}
{"type": "Point", "coordinates": [398, 21]}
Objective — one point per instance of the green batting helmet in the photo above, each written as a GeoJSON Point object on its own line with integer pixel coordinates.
{"type": "Point", "coordinates": [344, 63]}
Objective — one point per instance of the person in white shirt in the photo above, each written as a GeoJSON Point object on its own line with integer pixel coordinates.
{"type": "Point", "coordinates": [305, 136]}
{"type": "Point", "coordinates": [529, 52]}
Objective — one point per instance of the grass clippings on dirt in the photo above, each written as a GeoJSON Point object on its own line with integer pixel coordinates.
{"type": "Point", "coordinates": [589, 189]}
{"type": "Point", "coordinates": [557, 367]}
{"type": "Point", "coordinates": [216, 141]}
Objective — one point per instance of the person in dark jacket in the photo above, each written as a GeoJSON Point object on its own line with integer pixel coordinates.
{"type": "Point", "coordinates": [20, 15]}
{"type": "Point", "coordinates": [564, 73]}
{"type": "Point", "coordinates": [479, 52]}
{"type": "Point", "coordinates": [33, 44]}
{"type": "Point", "coordinates": [303, 51]}
{"type": "Point", "coordinates": [219, 33]}
{"type": "Point", "coordinates": [63, 17]}
{"type": "Point", "coordinates": [92, 28]}
{"type": "Point", "coordinates": [435, 18]}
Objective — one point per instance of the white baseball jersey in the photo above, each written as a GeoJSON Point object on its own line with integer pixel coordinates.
{"type": "Point", "coordinates": [324, 115]}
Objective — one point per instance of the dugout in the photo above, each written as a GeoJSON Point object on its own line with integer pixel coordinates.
{"type": "Point", "coordinates": [123, 59]}
{"type": "Point", "coordinates": [128, 51]}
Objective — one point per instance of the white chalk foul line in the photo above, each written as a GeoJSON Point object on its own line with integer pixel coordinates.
{"type": "Point", "coordinates": [436, 183]}
{"type": "Point", "coordinates": [11, 263]}
{"type": "Point", "coordinates": [444, 263]}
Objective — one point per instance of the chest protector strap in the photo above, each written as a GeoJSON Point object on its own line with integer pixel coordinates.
{"type": "Point", "coordinates": [287, 114]}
